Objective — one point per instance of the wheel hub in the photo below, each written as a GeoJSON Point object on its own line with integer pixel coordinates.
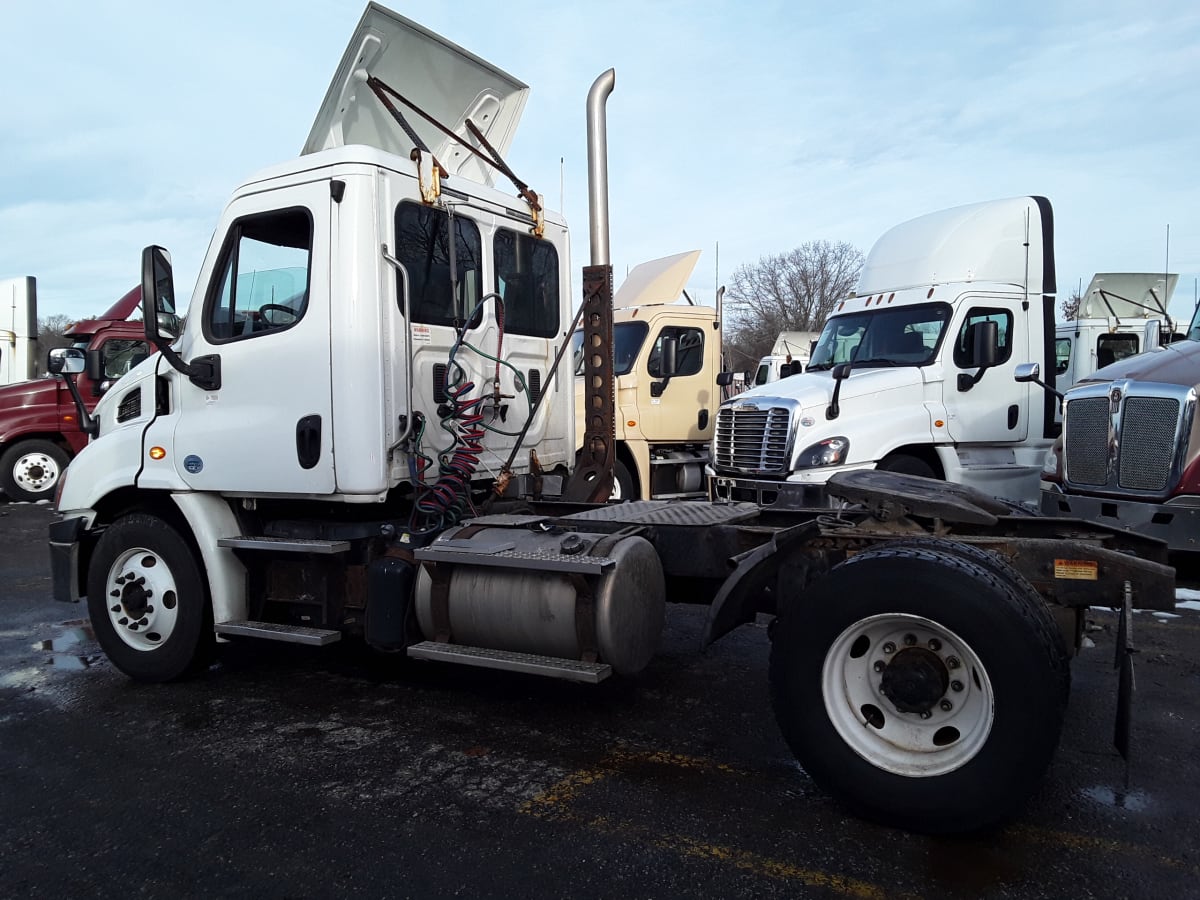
{"type": "Point", "coordinates": [135, 599]}
{"type": "Point", "coordinates": [914, 680]}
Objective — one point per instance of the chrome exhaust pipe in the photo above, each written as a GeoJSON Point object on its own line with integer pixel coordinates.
{"type": "Point", "coordinates": [597, 150]}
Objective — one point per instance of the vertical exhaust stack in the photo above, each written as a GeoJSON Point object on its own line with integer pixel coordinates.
{"type": "Point", "coordinates": [592, 480]}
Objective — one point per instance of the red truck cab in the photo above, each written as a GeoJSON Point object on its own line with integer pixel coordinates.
{"type": "Point", "coordinates": [39, 425]}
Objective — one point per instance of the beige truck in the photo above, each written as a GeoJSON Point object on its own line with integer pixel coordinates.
{"type": "Point", "coordinates": [664, 421]}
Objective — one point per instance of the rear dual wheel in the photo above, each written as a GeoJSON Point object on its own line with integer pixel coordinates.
{"type": "Point", "coordinates": [923, 688]}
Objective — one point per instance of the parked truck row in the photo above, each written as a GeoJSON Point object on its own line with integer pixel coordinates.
{"type": "Point", "coordinates": [365, 431]}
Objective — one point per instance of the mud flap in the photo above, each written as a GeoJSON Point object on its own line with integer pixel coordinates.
{"type": "Point", "coordinates": [1124, 665]}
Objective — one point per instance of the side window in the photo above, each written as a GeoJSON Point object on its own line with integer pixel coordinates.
{"type": "Point", "coordinates": [1062, 355]}
{"type": "Point", "coordinates": [263, 286]}
{"type": "Point", "coordinates": [527, 282]}
{"type": "Point", "coordinates": [1112, 347]}
{"type": "Point", "coordinates": [423, 245]}
{"type": "Point", "coordinates": [964, 345]}
{"type": "Point", "coordinates": [689, 352]}
{"type": "Point", "coordinates": [121, 355]}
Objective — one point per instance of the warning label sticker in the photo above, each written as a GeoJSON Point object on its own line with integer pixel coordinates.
{"type": "Point", "coordinates": [420, 334]}
{"type": "Point", "coordinates": [1076, 569]}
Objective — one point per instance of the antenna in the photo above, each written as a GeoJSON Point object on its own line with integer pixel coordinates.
{"type": "Point", "coordinates": [561, 209]}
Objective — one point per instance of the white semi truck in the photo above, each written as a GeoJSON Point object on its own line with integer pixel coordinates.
{"type": "Point", "coordinates": [18, 329]}
{"type": "Point", "coordinates": [914, 373]}
{"type": "Point", "coordinates": [359, 443]}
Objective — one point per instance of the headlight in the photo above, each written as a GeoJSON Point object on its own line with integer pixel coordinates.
{"type": "Point", "coordinates": [1051, 470]}
{"type": "Point", "coordinates": [829, 452]}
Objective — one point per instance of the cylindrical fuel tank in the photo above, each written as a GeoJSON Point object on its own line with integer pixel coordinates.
{"type": "Point", "coordinates": [533, 610]}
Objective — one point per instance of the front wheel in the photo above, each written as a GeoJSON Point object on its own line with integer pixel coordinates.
{"type": "Point", "coordinates": [921, 688]}
{"type": "Point", "coordinates": [147, 599]}
{"type": "Point", "coordinates": [30, 470]}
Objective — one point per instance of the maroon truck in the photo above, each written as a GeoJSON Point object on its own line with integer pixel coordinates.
{"type": "Point", "coordinates": [39, 427]}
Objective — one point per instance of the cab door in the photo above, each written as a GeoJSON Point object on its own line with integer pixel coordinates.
{"type": "Point", "coordinates": [684, 407]}
{"type": "Point", "coordinates": [263, 302]}
{"type": "Point", "coordinates": [994, 409]}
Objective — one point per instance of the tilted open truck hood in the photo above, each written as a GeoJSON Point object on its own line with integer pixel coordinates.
{"type": "Point", "coordinates": [447, 82]}
{"type": "Point", "coordinates": [1127, 295]}
{"type": "Point", "coordinates": [656, 281]}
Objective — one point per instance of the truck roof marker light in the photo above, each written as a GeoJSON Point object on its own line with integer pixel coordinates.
{"type": "Point", "coordinates": [157, 453]}
{"type": "Point", "coordinates": [930, 294]}
{"type": "Point", "coordinates": [891, 296]}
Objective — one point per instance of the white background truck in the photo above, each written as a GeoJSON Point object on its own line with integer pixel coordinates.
{"type": "Point", "coordinates": [18, 329]}
{"type": "Point", "coordinates": [1120, 314]}
{"type": "Point", "coordinates": [790, 348]}
{"type": "Point", "coordinates": [663, 424]}
{"type": "Point", "coordinates": [297, 467]}
{"type": "Point", "coordinates": [914, 373]}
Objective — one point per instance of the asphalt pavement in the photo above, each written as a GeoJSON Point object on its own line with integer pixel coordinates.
{"type": "Point", "coordinates": [295, 772]}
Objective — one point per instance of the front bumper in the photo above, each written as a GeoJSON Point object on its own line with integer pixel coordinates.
{"type": "Point", "coordinates": [780, 495]}
{"type": "Point", "coordinates": [65, 539]}
{"type": "Point", "coordinates": [1175, 522]}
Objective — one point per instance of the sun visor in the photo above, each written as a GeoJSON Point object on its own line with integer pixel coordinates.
{"type": "Point", "coordinates": [439, 77]}
{"type": "Point", "coordinates": [1127, 295]}
{"type": "Point", "coordinates": [656, 281]}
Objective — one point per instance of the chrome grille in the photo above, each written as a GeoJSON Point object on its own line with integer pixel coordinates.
{"type": "Point", "coordinates": [1085, 427]}
{"type": "Point", "coordinates": [1147, 443]}
{"type": "Point", "coordinates": [752, 439]}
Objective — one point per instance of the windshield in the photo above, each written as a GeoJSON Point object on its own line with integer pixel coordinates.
{"type": "Point", "coordinates": [901, 336]}
{"type": "Point", "coordinates": [627, 341]}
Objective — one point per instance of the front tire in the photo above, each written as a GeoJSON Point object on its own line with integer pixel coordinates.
{"type": "Point", "coordinates": [30, 470]}
{"type": "Point", "coordinates": [147, 600]}
{"type": "Point", "coordinates": [920, 688]}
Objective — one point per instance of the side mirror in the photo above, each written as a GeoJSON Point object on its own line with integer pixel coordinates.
{"type": "Point", "coordinates": [724, 379]}
{"type": "Point", "coordinates": [93, 365]}
{"type": "Point", "coordinates": [841, 371]}
{"type": "Point", "coordinates": [668, 364]}
{"type": "Point", "coordinates": [158, 295]}
{"type": "Point", "coordinates": [985, 348]}
{"type": "Point", "coordinates": [1152, 335]}
{"type": "Point", "coordinates": [1027, 372]}
{"type": "Point", "coordinates": [986, 343]}
{"type": "Point", "coordinates": [65, 361]}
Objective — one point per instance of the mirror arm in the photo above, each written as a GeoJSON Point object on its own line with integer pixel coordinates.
{"type": "Point", "coordinates": [203, 371]}
{"type": "Point", "coordinates": [966, 382]}
{"type": "Point", "coordinates": [87, 424]}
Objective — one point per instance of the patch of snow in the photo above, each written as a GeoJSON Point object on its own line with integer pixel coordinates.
{"type": "Point", "coordinates": [1188, 604]}
{"type": "Point", "coordinates": [1165, 615]}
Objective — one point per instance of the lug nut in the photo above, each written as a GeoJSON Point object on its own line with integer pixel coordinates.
{"type": "Point", "coordinates": [956, 686]}
{"type": "Point", "coordinates": [952, 662]}
{"type": "Point", "coordinates": [889, 648]}
{"type": "Point", "coordinates": [880, 665]}
{"type": "Point", "coordinates": [947, 706]}
{"type": "Point", "coordinates": [935, 645]}
{"type": "Point", "coordinates": [910, 640]}
{"type": "Point", "coordinates": [926, 714]}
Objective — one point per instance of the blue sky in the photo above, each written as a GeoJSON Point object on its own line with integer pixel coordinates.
{"type": "Point", "coordinates": [752, 126]}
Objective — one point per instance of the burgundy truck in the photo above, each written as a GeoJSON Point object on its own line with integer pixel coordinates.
{"type": "Point", "coordinates": [1129, 454]}
{"type": "Point", "coordinates": [40, 430]}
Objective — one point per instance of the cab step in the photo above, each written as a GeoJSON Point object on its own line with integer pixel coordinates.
{"type": "Point", "coordinates": [272, 631]}
{"type": "Point", "coordinates": [284, 545]}
{"type": "Point", "coordinates": [529, 663]}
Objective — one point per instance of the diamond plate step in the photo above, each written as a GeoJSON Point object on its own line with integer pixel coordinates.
{"type": "Point", "coordinates": [284, 545]}
{"type": "Point", "coordinates": [503, 556]}
{"type": "Point", "coordinates": [270, 631]}
{"type": "Point", "coordinates": [550, 666]}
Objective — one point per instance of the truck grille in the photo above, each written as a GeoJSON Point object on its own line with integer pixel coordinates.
{"type": "Point", "coordinates": [1086, 443]}
{"type": "Point", "coordinates": [1147, 443]}
{"type": "Point", "coordinates": [752, 439]}
{"type": "Point", "coordinates": [1137, 448]}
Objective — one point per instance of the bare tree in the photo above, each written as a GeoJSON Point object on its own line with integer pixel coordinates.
{"type": "Point", "coordinates": [1070, 305]}
{"type": "Point", "coordinates": [51, 334]}
{"type": "Point", "coordinates": [793, 291]}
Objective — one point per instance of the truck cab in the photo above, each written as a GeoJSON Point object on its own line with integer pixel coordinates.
{"type": "Point", "coordinates": [664, 422]}
{"type": "Point", "coordinates": [914, 372]}
{"type": "Point", "coordinates": [1120, 315]}
{"type": "Point", "coordinates": [40, 428]}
